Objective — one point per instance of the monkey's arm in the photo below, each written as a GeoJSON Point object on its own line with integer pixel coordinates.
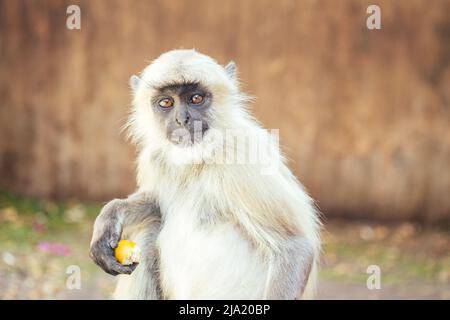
{"type": "Point", "coordinates": [281, 222]}
{"type": "Point", "coordinates": [289, 269]}
{"type": "Point", "coordinates": [109, 225]}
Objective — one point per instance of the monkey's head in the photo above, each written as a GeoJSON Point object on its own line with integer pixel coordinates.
{"type": "Point", "coordinates": [180, 97]}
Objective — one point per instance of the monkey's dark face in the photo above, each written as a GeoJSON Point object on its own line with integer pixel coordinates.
{"type": "Point", "coordinates": [184, 111]}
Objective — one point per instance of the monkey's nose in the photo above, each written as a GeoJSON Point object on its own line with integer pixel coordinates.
{"type": "Point", "coordinates": [182, 119]}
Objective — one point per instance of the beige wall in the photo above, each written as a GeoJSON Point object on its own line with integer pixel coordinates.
{"type": "Point", "coordinates": [364, 115]}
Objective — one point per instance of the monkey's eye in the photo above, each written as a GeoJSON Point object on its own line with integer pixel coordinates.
{"type": "Point", "coordinates": [196, 99]}
{"type": "Point", "coordinates": [166, 103]}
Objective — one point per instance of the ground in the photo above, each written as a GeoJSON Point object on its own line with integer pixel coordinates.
{"type": "Point", "coordinates": [44, 244]}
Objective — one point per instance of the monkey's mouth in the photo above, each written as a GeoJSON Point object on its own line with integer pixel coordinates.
{"type": "Point", "coordinates": [188, 136]}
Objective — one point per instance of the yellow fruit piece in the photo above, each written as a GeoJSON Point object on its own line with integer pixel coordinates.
{"type": "Point", "coordinates": [127, 252]}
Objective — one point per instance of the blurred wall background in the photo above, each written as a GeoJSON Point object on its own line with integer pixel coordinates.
{"type": "Point", "coordinates": [364, 115]}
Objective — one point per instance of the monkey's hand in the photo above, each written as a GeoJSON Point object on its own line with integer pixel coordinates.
{"type": "Point", "coordinates": [107, 232]}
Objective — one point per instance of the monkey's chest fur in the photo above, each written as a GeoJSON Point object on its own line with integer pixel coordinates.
{"type": "Point", "coordinates": [206, 260]}
{"type": "Point", "coordinates": [202, 253]}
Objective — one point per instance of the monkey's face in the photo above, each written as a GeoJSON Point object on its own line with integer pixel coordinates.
{"type": "Point", "coordinates": [183, 103]}
{"type": "Point", "coordinates": [184, 111]}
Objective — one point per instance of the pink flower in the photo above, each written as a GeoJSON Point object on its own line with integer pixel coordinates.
{"type": "Point", "coordinates": [38, 227]}
{"type": "Point", "coordinates": [54, 248]}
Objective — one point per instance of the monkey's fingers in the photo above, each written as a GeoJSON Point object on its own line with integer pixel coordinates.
{"type": "Point", "coordinates": [118, 268]}
{"type": "Point", "coordinates": [112, 266]}
{"type": "Point", "coordinates": [103, 256]}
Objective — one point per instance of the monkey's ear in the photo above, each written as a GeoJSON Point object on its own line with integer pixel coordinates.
{"type": "Point", "coordinates": [134, 82]}
{"type": "Point", "coordinates": [231, 70]}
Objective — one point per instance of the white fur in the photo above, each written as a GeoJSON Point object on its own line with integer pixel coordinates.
{"type": "Point", "coordinates": [248, 214]}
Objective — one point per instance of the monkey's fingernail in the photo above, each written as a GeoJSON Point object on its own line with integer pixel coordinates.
{"type": "Point", "coordinates": [113, 244]}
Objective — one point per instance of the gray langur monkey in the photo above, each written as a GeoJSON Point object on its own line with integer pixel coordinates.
{"type": "Point", "coordinates": [208, 229]}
